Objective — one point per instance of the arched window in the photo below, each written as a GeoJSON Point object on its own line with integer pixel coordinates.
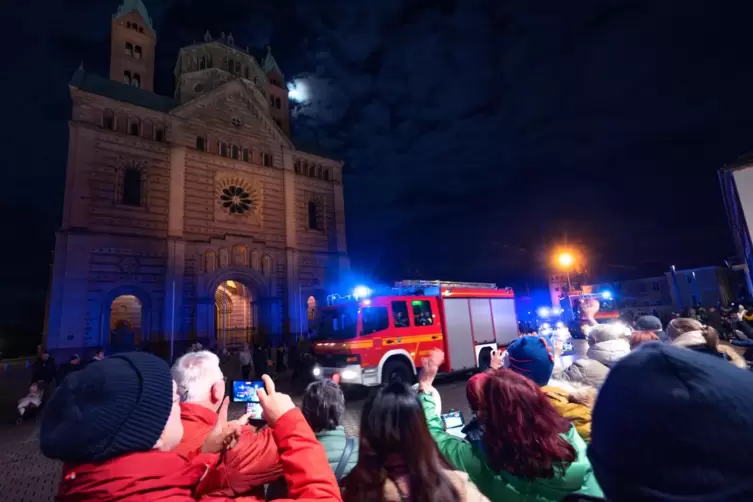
{"type": "Point", "coordinates": [223, 149]}
{"type": "Point", "coordinates": [200, 143]}
{"type": "Point", "coordinates": [141, 29]}
{"type": "Point", "coordinates": [129, 49]}
{"type": "Point", "coordinates": [278, 103]}
{"type": "Point", "coordinates": [266, 265]}
{"type": "Point", "coordinates": [235, 151]}
{"type": "Point", "coordinates": [267, 159]}
{"type": "Point", "coordinates": [136, 80]}
{"type": "Point", "coordinates": [246, 156]}
{"type": "Point", "coordinates": [245, 72]}
{"type": "Point", "coordinates": [313, 216]}
{"type": "Point", "coordinates": [319, 172]}
{"type": "Point", "coordinates": [132, 187]}
{"type": "Point", "coordinates": [326, 174]}
{"type": "Point", "coordinates": [297, 167]}
{"type": "Point", "coordinates": [127, 77]}
{"type": "Point", "coordinates": [230, 65]}
{"type": "Point", "coordinates": [108, 120]}
{"type": "Point", "coordinates": [159, 133]}
{"type": "Point", "coordinates": [237, 67]}
{"type": "Point", "coordinates": [202, 63]}
{"type": "Point", "coordinates": [137, 52]}
{"type": "Point", "coordinates": [134, 127]}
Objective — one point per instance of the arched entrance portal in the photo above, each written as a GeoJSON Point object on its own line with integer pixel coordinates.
{"type": "Point", "coordinates": [234, 315]}
{"type": "Point", "coordinates": [125, 321]}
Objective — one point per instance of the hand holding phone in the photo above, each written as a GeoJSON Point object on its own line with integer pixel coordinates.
{"type": "Point", "coordinates": [245, 391]}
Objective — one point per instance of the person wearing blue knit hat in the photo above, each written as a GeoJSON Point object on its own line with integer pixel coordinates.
{"type": "Point", "coordinates": [671, 424]}
{"type": "Point", "coordinates": [531, 356]}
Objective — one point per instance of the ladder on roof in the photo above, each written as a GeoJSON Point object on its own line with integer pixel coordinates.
{"type": "Point", "coordinates": [444, 284]}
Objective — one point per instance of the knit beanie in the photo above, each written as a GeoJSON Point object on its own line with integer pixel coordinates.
{"type": "Point", "coordinates": [531, 356]}
{"type": "Point", "coordinates": [671, 424]}
{"type": "Point", "coordinates": [119, 405]}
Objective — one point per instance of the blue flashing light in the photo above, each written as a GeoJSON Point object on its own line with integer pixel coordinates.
{"type": "Point", "coordinates": [607, 295]}
{"type": "Point", "coordinates": [543, 312]}
{"type": "Point", "coordinates": [361, 292]}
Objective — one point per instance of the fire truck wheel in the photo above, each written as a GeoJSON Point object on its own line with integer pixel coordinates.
{"type": "Point", "coordinates": [397, 370]}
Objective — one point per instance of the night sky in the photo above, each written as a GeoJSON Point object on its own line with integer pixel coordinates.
{"type": "Point", "coordinates": [476, 134]}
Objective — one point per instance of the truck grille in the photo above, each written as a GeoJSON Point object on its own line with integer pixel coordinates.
{"type": "Point", "coordinates": [337, 360]}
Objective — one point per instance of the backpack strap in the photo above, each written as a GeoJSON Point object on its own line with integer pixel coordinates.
{"type": "Point", "coordinates": [347, 452]}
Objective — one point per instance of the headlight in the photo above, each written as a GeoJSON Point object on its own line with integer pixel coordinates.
{"type": "Point", "coordinates": [349, 375]}
{"type": "Point", "coordinates": [317, 371]}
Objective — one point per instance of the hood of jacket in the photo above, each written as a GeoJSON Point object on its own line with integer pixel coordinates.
{"type": "Point", "coordinates": [609, 352]}
{"type": "Point", "coordinates": [572, 404]}
{"type": "Point", "coordinates": [467, 490]}
{"type": "Point", "coordinates": [690, 339]}
{"type": "Point", "coordinates": [142, 476]}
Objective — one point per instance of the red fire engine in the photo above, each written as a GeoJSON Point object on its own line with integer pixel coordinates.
{"type": "Point", "coordinates": [373, 339]}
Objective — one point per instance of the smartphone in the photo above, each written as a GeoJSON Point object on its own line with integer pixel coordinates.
{"type": "Point", "coordinates": [244, 391]}
{"type": "Point", "coordinates": [453, 419]}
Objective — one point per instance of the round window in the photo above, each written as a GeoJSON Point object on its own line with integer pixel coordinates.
{"type": "Point", "coordinates": [235, 199]}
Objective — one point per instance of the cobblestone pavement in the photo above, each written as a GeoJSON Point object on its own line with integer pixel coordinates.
{"type": "Point", "coordinates": [27, 476]}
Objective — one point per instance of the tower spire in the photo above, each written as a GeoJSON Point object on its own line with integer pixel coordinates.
{"type": "Point", "coordinates": [128, 6]}
{"type": "Point", "coordinates": [269, 63]}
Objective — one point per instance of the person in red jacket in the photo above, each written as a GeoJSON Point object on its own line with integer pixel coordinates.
{"type": "Point", "coordinates": [114, 424]}
{"type": "Point", "coordinates": [254, 460]}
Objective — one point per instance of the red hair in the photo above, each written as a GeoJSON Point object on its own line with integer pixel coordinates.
{"type": "Point", "coordinates": [641, 337]}
{"type": "Point", "coordinates": [522, 430]}
{"type": "Point", "coordinates": [474, 390]}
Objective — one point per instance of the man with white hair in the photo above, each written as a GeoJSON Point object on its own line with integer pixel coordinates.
{"type": "Point", "coordinates": [201, 386]}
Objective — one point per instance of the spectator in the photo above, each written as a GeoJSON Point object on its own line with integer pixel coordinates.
{"type": "Point", "coordinates": [43, 369]}
{"type": "Point", "coordinates": [113, 425]}
{"type": "Point", "coordinates": [607, 344]}
{"type": "Point", "coordinates": [323, 407]}
{"type": "Point", "coordinates": [532, 357]}
{"type": "Point", "coordinates": [640, 337]}
{"type": "Point", "coordinates": [529, 451]}
{"type": "Point", "coordinates": [73, 364]}
{"type": "Point", "coordinates": [201, 386]}
{"type": "Point", "coordinates": [691, 334]}
{"type": "Point", "coordinates": [680, 438]}
{"type": "Point", "coordinates": [653, 324]}
{"type": "Point", "coordinates": [474, 391]}
{"type": "Point", "coordinates": [398, 460]}
{"type": "Point", "coordinates": [245, 359]}
{"type": "Point", "coordinates": [98, 355]}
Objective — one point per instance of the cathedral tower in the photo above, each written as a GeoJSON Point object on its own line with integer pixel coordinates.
{"type": "Point", "coordinates": [279, 108]}
{"type": "Point", "coordinates": [132, 44]}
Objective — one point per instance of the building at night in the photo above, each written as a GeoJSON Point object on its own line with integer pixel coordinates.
{"type": "Point", "coordinates": [193, 216]}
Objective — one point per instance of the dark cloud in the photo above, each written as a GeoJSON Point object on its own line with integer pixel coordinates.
{"type": "Point", "coordinates": [475, 132]}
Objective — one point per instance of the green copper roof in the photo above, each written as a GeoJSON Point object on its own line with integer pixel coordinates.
{"type": "Point", "coordinates": [121, 92]}
{"type": "Point", "coordinates": [269, 63]}
{"type": "Point", "coordinates": [129, 6]}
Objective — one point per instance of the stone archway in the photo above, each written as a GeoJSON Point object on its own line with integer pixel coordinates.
{"type": "Point", "coordinates": [233, 310]}
{"type": "Point", "coordinates": [126, 318]}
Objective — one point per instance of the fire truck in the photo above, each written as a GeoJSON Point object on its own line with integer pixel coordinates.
{"type": "Point", "coordinates": [372, 338]}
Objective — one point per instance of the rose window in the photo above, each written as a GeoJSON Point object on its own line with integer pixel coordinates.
{"type": "Point", "coordinates": [235, 199]}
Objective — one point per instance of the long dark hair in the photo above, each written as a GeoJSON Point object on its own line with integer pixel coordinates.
{"type": "Point", "coordinates": [522, 429]}
{"type": "Point", "coordinates": [395, 440]}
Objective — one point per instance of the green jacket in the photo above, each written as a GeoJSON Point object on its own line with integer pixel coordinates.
{"type": "Point", "coordinates": [334, 444]}
{"type": "Point", "coordinates": [503, 487]}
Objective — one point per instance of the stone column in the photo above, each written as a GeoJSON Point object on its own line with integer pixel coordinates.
{"type": "Point", "coordinates": [290, 307]}
{"type": "Point", "coordinates": [176, 249]}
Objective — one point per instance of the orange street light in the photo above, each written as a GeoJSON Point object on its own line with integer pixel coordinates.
{"type": "Point", "coordinates": [565, 259]}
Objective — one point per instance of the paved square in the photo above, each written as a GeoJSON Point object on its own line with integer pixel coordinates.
{"type": "Point", "coordinates": [27, 476]}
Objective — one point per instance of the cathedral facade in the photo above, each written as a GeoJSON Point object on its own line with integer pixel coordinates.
{"type": "Point", "coordinates": [192, 217]}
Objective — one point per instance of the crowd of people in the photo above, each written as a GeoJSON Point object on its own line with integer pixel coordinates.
{"type": "Point", "coordinates": [656, 414]}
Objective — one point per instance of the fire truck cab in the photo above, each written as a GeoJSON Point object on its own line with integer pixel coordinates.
{"type": "Point", "coordinates": [373, 339]}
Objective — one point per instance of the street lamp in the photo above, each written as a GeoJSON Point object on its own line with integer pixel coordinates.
{"type": "Point", "coordinates": [566, 260]}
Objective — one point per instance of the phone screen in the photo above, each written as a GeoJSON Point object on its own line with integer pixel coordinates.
{"type": "Point", "coordinates": [244, 391]}
{"type": "Point", "coordinates": [255, 410]}
{"type": "Point", "coordinates": [453, 419]}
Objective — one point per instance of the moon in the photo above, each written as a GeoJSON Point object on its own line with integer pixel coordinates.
{"type": "Point", "coordinates": [298, 91]}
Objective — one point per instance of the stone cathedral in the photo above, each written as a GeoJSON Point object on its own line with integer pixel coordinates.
{"type": "Point", "coordinates": [192, 217]}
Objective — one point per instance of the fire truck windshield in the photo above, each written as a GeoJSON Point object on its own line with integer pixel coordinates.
{"type": "Point", "coordinates": [338, 323]}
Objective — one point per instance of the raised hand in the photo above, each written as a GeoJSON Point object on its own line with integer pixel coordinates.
{"type": "Point", "coordinates": [274, 404]}
{"type": "Point", "coordinates": [430, 366]}
{"type": "Point", "coordinates": [224, 435]}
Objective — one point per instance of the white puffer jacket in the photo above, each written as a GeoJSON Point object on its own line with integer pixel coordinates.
{"type": "Point", "coordinates": [607, 345]}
